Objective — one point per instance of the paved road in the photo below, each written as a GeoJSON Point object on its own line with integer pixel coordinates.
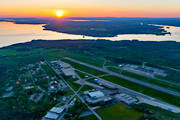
{"type": "Point", "coordinates": [165, 90]}
{"type": "Point", "coordinates": [76, 93]}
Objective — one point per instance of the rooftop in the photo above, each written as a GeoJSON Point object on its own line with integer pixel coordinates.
{"type": "Point", "coordinates": [126, 98]}
{"type": "Point", "coordinates": [69, 72]}
{"type": "Point", "coordinates": [53, 116]}
{"type": "Point", "coordinates": [63, 64]}
{"type": "Point", "coordinates": [57, 110]}
{"type": "Point", "coordinates": [96, 94]}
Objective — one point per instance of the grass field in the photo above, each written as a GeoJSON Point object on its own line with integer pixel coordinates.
{"type": "Point", "coordinates": [118, 112]}
{"type": "Point", "coordinates": [115, 112]}
{"type": "Point", "coordinates": [85, 88]}
{"type": "Point", "coordinates": [90, 117]}
{"type": "Point", "coordinates": [60, 53]}
{"type": "Point", "coordinates": [74, 85]}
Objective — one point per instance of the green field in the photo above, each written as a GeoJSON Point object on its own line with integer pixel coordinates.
{"type": "Point", "coordinates": [90, 117]}
{"type": "Point", "coordinates": [118, 112]}
{"type": "Point", "coordinates": [115, 112]}
{"type": "Point", "coordinates": [54, 54]}
{"type": "Point", "coordinates": [74, 85]}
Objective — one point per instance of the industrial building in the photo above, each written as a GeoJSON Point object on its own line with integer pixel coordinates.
{"type": "Point", "coordinates": [63, 64]}
{"type": "Point", "coordinates": [96, 94]}
{"type": "Point", "coordinates": [69, 72]}
{"type": "Point", "coordinates": [126, 99]}
{"type": "Point", "coordinates": [54, 113]}
{"type": "Point", "coordinates": [96, 97]}
{"type": "Point", "coordinates": [66, 69]}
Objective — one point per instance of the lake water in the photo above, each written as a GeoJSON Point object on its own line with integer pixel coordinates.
{"type": "Point", "coordinates": [11, 33]}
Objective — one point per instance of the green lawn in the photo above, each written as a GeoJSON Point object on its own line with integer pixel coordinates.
{"type": "Point", "coordinates": [85, 88]}
{"type": "Point", "coordinates": [118, 112]}
{"type": "Point", "coordinates": [90, 117]}
{"type": "Point", "coordinates": [73, 85]}
{"type": "Point", "coordinates": [49, 71]}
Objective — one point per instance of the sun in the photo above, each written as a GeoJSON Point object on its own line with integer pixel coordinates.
{"type": "Point", "coordinates": [59, 13]}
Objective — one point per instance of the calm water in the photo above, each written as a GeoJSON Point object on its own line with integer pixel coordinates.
{"type": "Point", "coordinates": [11, 33]}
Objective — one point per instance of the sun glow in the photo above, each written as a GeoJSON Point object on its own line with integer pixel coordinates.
{"type": "Point", "coordinates": [59, 13]}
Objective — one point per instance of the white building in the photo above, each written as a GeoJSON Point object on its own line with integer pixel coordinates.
{"type": "Point", "coordinates": [96, 94]}
{"type": "Point", "coordinates": [51, 116]}
{"type": "Point", "coordinates": [54, 113]}
{"type": "Point", "coordinates": [96, 97]}
{"type": "Point", "coordinates": [69, 72]}
{"type": "Point", "coordinates": [67, 69]}
{"type": "Point", "coordinates": [57, 110]}
{"type": "Point", "coordinates": [63, 64]}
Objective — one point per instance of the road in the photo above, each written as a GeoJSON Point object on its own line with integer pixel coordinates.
{"type": "Point", "coordinates": [75, 93]}
{"type": "Point", "coordinates": [158, 88]}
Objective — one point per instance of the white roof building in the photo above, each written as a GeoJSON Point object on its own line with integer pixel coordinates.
{"type": "Point", "coordinates": [96, 94]}
{"type": "Point", "coordinates": [68, 72]}
{"type": "Point", "coordinates": [52, 116]}
{"type": "Point", "coordinates": [54, 113]}
{"type": "Point", "coordinates": [63, 64]}
{"type": "Point", "coordinates": [57, 110]}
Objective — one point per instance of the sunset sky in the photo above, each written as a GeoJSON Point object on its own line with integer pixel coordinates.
{"type": "Point", "coordinates": [90, 8]}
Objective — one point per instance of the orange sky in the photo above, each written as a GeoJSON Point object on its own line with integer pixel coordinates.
{"type": "Point", "coordinates": [90, 8]}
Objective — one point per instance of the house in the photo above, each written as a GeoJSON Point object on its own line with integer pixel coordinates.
{"type": "Point", "coordinates": [53, 86]}
{"type": "Point", "coordinates": [36, 97]}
